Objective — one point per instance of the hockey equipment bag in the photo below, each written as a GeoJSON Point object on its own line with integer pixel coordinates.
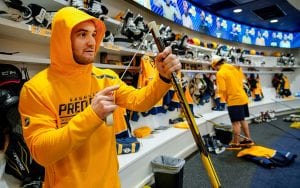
{"type": "Point", "coordinates": [127, 145]}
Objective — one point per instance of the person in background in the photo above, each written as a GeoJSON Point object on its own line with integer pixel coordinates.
{"type": "Point", "coordinates": [260, 40]}
{"type": "Point", "coordinates": [65, 108]}
{"type": "Point", "coordinates": [169, 11]}
{"type": "Point", "coordinates": [220, 31]}
{"type": "Point", "coordinates": [274, 40]}
{"type": "Point", "coordinates": [186, 19]}
{"type": "Point", "coordinates": [230, 86]}
{"type": "Point", "coordinates": [285, 43]}
{"type": "Point", "coordinates": [144, 3]}
{"type": "Point", "coordinates": [234, 34]}
{"type": "Point", "coordinates": [203, 23]}
{"type": "Point", "coordinates": [246, 38]}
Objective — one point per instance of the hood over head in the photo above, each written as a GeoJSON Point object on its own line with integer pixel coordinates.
{"type": "Point", "coordinates": [60, 44]}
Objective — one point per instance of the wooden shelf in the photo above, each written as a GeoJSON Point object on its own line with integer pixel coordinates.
{"type": "Point", "coordinates": [201, 48]}
{"type": "Point", "coordinates": [192, 61]}
{"type": "Point", "coordinates": [20, 59]}
{"type": "Point", "coordinates": [235, 54]}
{"type": "Point", "coordinates": [21, 31]}
{"type": "Point", "coordinates": [257, 56]}
{"type": "Point", "coordinates": [112, 24]}
{"type": "Point", "coordinates": [121, 50]}
{"type": "Point", "coordinates": [246, 72]}
{"type": "Point", "coordinates": [52, 5]}
{"type": "Point", "coordinates": [119, 67]}
{"type": "Point", "coordinates": [264, 72]}
{"type": "Point", "coordinates": [198, 71]}
{"type": "Point", "coordinates": [266, 66]}
{"type": "Point", "coordinates": [31, 33]}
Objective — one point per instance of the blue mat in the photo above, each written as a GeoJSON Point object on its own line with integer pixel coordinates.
{"type": "Point", "coordinates": [237, 172]}
{"type": "Point", "coordinates": [288, 177]}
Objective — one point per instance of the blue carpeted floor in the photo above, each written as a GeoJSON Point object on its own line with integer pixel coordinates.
{"type": "Point", "coordinates": [238, 172]}
{"type": "Point", "coordinates": [286, 176]}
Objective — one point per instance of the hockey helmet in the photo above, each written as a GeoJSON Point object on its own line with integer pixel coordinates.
{"type": "Point", "coordinates": [215, 60]}
{"type": "Point", "coordinates": [196, 41]}
{"type": "Point", "coordinates": [252, 52]}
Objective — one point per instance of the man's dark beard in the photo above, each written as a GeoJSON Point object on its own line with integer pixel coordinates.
{"type": "Point", "coordinates": [79, 61]}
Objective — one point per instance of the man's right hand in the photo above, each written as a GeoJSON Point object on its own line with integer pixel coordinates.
{"type": "Point", "coordinates": [104, 102]}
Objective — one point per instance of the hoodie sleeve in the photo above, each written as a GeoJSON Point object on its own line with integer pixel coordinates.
{"type": "Point", "coordinates": [42, 134]}
{"type": "Point", "coordinates": [142, 99]}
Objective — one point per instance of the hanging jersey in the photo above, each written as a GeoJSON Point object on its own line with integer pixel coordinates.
{"type": "Point", "coordinates": [147, 73]}
{"type": "Point", "coordinates": [197, 88]}
{"type": "Point", "coordinates": [255, 87]}
{"type": "Point", "coordinates": [286, 82]}
{"type": "Point", "coordinates": [283, 86]}
{"type": "Point", "coordinates": [174, 101]}
{"type": "Point", "coordinates": [258, 90]}
{"type": "Point", "coordinates": [287, 91]}
{"type": "Point", "coordinates": [217, 94]}
{"type": "Point", "coordinates": [120, 123]}
{"type": "Point", "coordinates": [210, 85]}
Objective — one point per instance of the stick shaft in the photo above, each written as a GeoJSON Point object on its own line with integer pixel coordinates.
{"type": "Point", "coordinates": [214, 179]}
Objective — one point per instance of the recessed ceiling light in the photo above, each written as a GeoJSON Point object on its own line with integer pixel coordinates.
{"type": "Point", "coordinates": [274, 21]}
{"type": "Point", "coordinates": [237, 10]}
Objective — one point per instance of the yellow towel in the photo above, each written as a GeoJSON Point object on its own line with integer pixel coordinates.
{"type": "Point", "coordinates": [142, 132]}
{"type": "Point", "coordinates": [296, 125]}
{"type": "Point", "coordinates": [182, 125]}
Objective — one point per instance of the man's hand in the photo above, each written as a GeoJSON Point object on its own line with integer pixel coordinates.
{"type": "Point", "coordinates": [103, 103]}
{"type": "Point", "coordinates": [166, 63]}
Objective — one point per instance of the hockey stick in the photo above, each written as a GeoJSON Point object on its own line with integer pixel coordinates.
{"type": "Point", "coordinates": [220, 126]}
{"type": "Point", "coordinates": [214, 179]}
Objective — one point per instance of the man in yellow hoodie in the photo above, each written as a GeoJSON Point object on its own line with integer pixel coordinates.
{"type": "Point", "coordinates": [64, 107]}
{"type": "Point", "coordinates": [230, 86]}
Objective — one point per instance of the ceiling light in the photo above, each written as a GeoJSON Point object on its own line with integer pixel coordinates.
{"type": "Point", "coordinates": [237, 10]}
{"type": "Point", "coordinates": [274, 21]}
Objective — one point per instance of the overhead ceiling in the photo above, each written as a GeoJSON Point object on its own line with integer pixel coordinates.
{"type": "Point", "coordinates": [257, 13]}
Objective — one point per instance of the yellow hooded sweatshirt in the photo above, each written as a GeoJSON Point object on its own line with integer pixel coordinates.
{"type": "Point", "coordinates": [230, 85]}
{"type": "Point", "coordinates": [62, 131]}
